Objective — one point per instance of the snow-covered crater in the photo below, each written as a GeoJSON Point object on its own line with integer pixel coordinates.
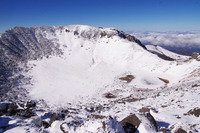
{"type": "Point", "coordinates": [81, 66]}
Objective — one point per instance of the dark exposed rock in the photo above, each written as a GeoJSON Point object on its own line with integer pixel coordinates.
{"type": "Point", "coordinates": [12, 109]}
{"type": "Point", "coordinates": [103, 34]}
{"type": "Point", "coordinates": [76, 33]}
{"type": "Point", "coordinates": [127, 78]}
{"type": "Point", "coordinates": [195, 55]}
{"type": "Point", "coordinates": [164, 80]}
{"type": "Point", "coordinates": [4, 108]}
{"type": "Point", "coordinates": [62, 127]}
{"type": "Point", "coordinates": [52, 116]}
{"type": "Point", "coordinates": [26, 113]}
{"type": "Point", "coordinates": [109, 95]}
{"type": "Point", "coordinates": [104, 125]}
{"type": "Point", "coordinates": [152, 121]}
{"type": "Point", "coordinates": [52, 119]}
{"type": "Point", "coordinates": [195, 85]}
{"type": "Point", "coordinates": [195, 112]}
{"type": "Point", "coordinates": [180, 130]}
{"type": "Point", "coordinates": [45, 124]}
{"type": "Point", "coordinates": [163, 130]}
{"type": "Point", "coordinates": [31, 104]}
{"type": "Point", "coordinates": [130, 38]}
{"type": "Point", "coordinates": [162, 56]}
{"type": "Point", "coordinates": [66, 111]}
{"type": "Point", "coordinates": [67, 30]}
{"type": "Point", "coordinates": [144, 110]}
{"type": "Point", "coordinates": [129, 128]}
{"type": "Point", "coordinates": [130, 123]}
{"type": "Point", "coordinates": [16, 109]}
{"type": "Point", "coordinates": [63, 113]}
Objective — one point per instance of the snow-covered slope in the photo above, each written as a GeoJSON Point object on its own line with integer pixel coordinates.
{"type": "Point", "coordinates": [83, 72]}
{"type": "Point", "coordinates": [159, 50]}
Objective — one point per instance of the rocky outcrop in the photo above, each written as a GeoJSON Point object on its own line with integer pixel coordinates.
{"type": "Point", "coordinates": [196, 56]}
{"type": "Point", "coordinates": [130, 38]}
{"type": "Point", "coordinates": [195, 112]}
{"type": "Point", "coordinates": [10, 109]}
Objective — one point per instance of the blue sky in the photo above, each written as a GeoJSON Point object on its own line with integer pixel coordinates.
{"type": "Point", "coordinates": [128, 15]}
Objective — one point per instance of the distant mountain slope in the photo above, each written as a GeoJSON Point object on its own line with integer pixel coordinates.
{"type": "Point", "coordinates": [161, 51]}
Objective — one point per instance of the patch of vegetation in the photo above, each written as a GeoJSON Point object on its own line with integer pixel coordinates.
{"type": "Point", "coordinates": [127, 78]}
{"type": "Point", "coordinates": [164, 80]}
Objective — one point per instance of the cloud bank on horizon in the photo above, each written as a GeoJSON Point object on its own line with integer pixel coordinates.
{"type": "Point", "coordinates": [170, 39]}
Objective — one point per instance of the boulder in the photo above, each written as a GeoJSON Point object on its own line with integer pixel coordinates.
{"type": "Point", "coordinates": [152, 121]}
{"type": "Point", "coordinates": [180, 130]}
{"type": "Point", "coordinates": [130, 123]}
{"type": "Point", "coordinates": [46, 124]}
{"type": "Point", "coordinates": [12, 109]}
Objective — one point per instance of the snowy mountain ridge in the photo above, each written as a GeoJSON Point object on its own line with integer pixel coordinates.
{"type": "Point", "coordinates": [88, 77]}
{"type": "Point", "coordinates": [159, 50]}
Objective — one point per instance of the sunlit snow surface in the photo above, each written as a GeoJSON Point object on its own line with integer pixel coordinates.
{"type": "Point", "coordinates": [89, 68]}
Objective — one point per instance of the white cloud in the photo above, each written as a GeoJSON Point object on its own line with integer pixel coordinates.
{"type": "Point", "coordinates": [175, 39]}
